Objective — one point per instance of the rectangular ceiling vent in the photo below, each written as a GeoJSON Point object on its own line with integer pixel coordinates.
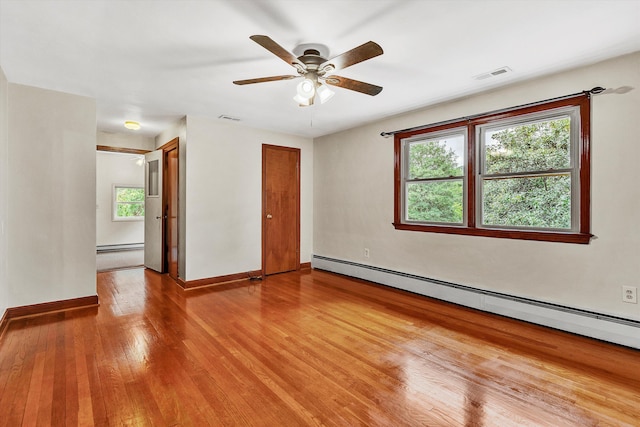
{"type": "Point", "coordinates": [224, 117]}
{"type": "Point", "coordinates": [494, 73]}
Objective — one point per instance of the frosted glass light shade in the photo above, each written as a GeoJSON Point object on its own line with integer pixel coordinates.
{"type": "Point", "coordinates": [324, 93]}
{"type": "Point", "coordinates": [306, 88]}
{"type": "Point", "coordinates": [303, 102]}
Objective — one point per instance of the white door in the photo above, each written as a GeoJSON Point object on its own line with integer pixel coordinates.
{"type": "Point", "coordinates": [153, 215]}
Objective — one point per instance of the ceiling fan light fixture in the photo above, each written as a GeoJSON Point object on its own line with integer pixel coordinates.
{"type": "Point", "coordinates": [324, 93]}
{"type": "Point", "coordinates": [311, 64]}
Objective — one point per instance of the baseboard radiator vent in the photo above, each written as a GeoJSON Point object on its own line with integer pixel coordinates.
{"type": "Point", "coordinates": [119, 248]}
{"type": "Point", "coordinates": [595, 325]}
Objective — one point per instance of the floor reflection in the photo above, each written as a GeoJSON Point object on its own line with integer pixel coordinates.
{"type": "Point", "coordinates": [303, 349]}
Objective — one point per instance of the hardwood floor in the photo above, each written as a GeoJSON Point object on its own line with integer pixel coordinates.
{"type": "Point", "coordinates": [300, 349]}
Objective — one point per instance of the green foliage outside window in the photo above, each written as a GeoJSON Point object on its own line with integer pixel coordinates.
{"type": "Point", "coordinates": [433, 159]}
{"type": "Point", "coordinates": [434, 201]}
{"type": "Point", "coordinates": [439, 201]}
{"type": "Point", "coordinates": [129, 202]}
{"type": "Point", "coordinates": [542, 201]}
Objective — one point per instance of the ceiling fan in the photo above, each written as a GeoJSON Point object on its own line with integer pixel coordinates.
{"type": "Point", "coordinates": [317, 70]}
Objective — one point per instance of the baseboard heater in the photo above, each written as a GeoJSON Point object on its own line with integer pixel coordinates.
{"type": "Point", "coordinates": [595, 325]}
{"type": "Point", "coordinates": [119, 248]}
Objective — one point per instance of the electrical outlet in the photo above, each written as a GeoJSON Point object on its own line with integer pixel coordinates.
{"type": "Point", "coordinates": [630, 294]}
{"type": "Point", "coordinates": [366, 252]}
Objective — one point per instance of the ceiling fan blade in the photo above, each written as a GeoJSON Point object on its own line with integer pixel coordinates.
{"type": "Point", "coordinates": [351, 84]}
{"type": "Point", "coordinates": [264, 79]}
{"type": "Point", "coordinates": [357, 54]}
{"type": "Point", "coordinates": [273, 47]}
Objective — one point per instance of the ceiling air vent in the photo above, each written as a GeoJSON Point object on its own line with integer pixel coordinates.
{"type": "Point", "coordinates": [494, 73]}
{"type": "Point", "coordinates": [233, 119]}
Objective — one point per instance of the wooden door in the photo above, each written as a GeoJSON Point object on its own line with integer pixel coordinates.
{"type": "Point", "coordinates": [280, 209]}
{"type": "Point", "coordinates": [171, 210]}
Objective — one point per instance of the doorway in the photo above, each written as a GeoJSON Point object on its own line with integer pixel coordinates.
{"type": "Point", "coordinates": [162, 209]}
{"type": "Point", "coordinates": [280, 209]}
{"type": "Point", "coordinates": [119, 208]}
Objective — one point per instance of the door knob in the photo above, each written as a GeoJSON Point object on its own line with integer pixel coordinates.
{"type": "Point", "coordinates": [158, 217]}
{"type": "Point", "coordinates": [269, 216]}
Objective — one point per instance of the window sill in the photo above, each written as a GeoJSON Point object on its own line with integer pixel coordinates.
{"type": "Point", "coordinates": [544, 236]}
{"type": "Point", "coordinates": [130, 219]}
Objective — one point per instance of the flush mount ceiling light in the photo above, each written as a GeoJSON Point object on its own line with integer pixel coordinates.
{"type": "Point", "coordinates": [317, 70]}
{"type": "Point", "coordinates": [129, 124]}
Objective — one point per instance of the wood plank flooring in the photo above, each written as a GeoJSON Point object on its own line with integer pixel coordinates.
{"type": "Point", "coordinates": [298, 349]}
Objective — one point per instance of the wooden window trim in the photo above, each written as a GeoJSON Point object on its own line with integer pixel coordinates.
{"type": "Point", "coordinates": [582, 236]}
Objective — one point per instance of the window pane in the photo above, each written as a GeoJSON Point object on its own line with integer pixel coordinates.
{"type": "Point", "coordinates": [543, 202]}
{"type": "Point", "coordinates": [435, 201]}
{"type": "Point", "coordinates": [529, 147]}
{"type": "Point", "coordinates": [130, 209]}
{"type": "Point", "coordinates": [153, 178]}
{"type": "Point", "coordinates": [437, 158]}
{"type": "Point", "coordinates": [128, 194]}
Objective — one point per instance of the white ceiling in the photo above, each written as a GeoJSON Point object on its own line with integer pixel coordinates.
{"type": "Point", "coordinates": [155, 61]}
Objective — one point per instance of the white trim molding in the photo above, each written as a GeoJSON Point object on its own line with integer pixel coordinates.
{"type": "Point", "coordinates": [594, 325]}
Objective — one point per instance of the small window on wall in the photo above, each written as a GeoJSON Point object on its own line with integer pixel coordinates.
{"type": "Point", "coordinates": [128, 203]}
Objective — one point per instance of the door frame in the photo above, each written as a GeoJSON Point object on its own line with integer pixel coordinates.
{"type": "Point", "coordinates": [171, 145]}
{"type": "Point", "coordinates": [123, 150]}
{"type": "Point", "coordinates": [264, 204]}
{"type": "Point", "coordinates": [166, 148]}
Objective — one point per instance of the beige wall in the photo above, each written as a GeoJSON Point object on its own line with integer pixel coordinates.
{"type": "Point", "coordinates": [224, 196]}
{"type": "Point", "coordinates": [51, 227]}
{"type": "Point", "coordinates": [220, 195]}
{"type": "Point", "coordinates": [4, 192]}
{"type": "Point", "coordinates": [353, 205]}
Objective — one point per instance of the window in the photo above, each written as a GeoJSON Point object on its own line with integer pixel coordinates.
{"type": "Point", "coordinates": [521, 173]}
{"type": "Point", "coordinates": [128, 203]}
{"type": "Point", "coordinates": [435, 177]}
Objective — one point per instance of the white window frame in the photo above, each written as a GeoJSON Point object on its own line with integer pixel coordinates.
{"type": "Point", "coordinates": [115, 203]}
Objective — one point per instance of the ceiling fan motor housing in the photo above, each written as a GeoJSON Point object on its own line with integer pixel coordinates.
{"type": "Point", "coordinates": [312, 59]}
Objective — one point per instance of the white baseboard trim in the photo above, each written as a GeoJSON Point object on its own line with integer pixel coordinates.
{"type": "Point", "coordinates": [595, 325]}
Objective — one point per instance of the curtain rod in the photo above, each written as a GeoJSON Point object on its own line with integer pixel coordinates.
{"type": "Point", "coordinates": [594, 91]}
